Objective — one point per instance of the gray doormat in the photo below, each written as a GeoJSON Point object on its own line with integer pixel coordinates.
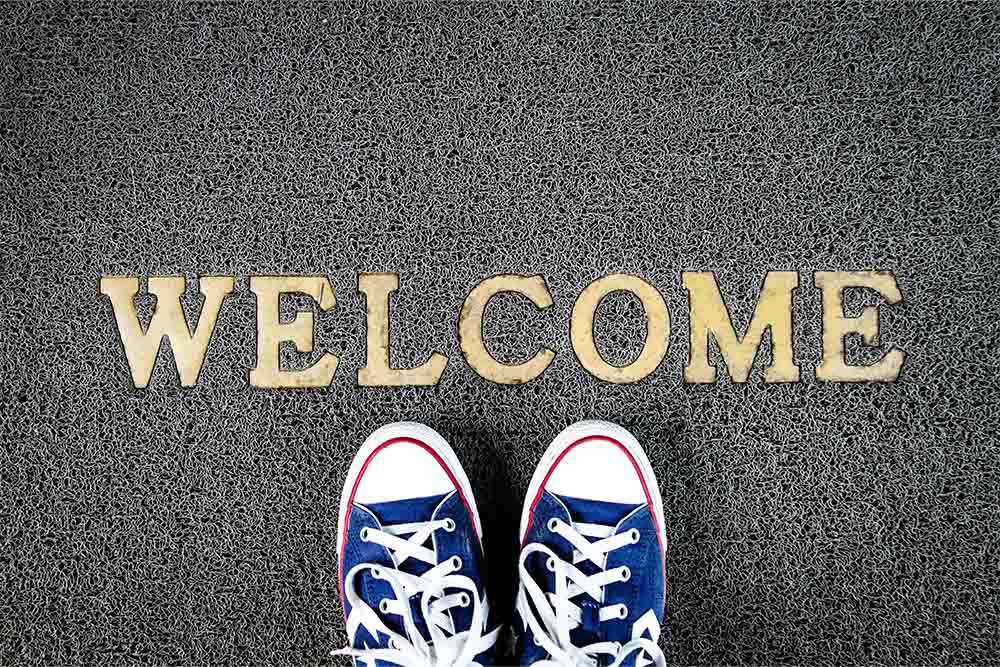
{"type": "Point", "coordinates": [808, 522]}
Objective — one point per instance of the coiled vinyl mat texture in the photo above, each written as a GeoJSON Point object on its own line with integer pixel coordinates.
{"type": "Point", "coordinates": [807, 523]}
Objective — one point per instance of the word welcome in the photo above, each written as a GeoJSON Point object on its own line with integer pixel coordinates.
{"type": "Point", "coordinates": [709, 317]}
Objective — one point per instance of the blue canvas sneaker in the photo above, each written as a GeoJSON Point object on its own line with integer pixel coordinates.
{"type": "Point", "coordinates": [411, 559]}
{"type": "Point", "coordinates": [592, 553]}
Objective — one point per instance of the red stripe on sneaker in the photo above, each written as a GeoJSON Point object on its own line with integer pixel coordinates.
{"type": "Point", "coordinates": [350, 503]}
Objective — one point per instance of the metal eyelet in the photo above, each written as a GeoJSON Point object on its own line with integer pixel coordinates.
{"type": "Point", "coordinates": [449, 525]}
{"type": "Point", "coordinates": [626, 573]}
{"type": "Point", "coordinates": [553, 524]}
{"type": "Point", "coordinates": [550, 564]}
{"type": "Point", "coordinates": [364, 534]}
{"type": "Point", "coordinates": [383, 606]}
{"type": "Point", "coordinates": [376, 573]}
{"type": "Point", "coordinates": [622, 611]}
{"type": "Point", "coordinates": [456, 563]}
{"type": "Point", "coordinates": [634, 535]}
{"type": "Point", "coordinates": [465, 600]}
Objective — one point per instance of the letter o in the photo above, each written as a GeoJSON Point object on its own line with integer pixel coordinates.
{"type": "Point", "coordinates": [657, 328]}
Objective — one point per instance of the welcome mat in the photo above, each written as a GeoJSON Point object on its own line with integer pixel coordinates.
{"type": "Point", "coordinates": [769, 183]}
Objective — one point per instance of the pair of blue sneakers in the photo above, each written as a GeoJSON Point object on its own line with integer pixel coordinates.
{"type": "Point", "coordinates": [591, 567]}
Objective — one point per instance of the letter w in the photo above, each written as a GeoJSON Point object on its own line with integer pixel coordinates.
{"type": "Point", "coordinates": [168, 320]}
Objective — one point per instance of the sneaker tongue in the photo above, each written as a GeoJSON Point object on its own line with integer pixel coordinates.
{"type": "Point", "coordinates": [410, 510]}
{"type": "Point", "coordinates": [583, 510]}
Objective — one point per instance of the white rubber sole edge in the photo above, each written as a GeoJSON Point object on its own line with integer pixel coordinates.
{"type": "Point", "coordinates": [424, 434]}
{"type": "Point", "coordinates": [584, 429]}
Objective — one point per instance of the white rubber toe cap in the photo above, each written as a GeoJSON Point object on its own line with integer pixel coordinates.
{"type": "Point", "coordinates": [597, 469]}
{"type": "Point", "coordinates": [400, 461]}
{"type": "Point", "coordinates": [400, 470]}
{"type": "Point", "coordinates": [596, 460]}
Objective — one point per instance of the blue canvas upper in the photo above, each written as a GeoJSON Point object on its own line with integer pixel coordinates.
{"type": "Point", "coordinates": [644, 590]}
{"type": "Point", "coordinates": [461, 542]}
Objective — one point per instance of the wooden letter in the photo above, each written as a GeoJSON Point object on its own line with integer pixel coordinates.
{"type": "Point", "coordinates": [834, 367]}
{"type": "Point", "coordinates": [168, 320]}
{"type": "Point", "coordinates": [657, 328]}
{"type": "Point", "coordinates": [377, 373]}
{"type": "Point", "coordinates": [271, 332]}
{"type": "Point", "coordinates": [710, 318]}
{"type": "Point", "coordinates": [470, 329]}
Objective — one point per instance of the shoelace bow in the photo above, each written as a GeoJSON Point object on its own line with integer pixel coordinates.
{"type": "Point", "coordinates": [557, 615]}
{"type": "Point", "coordinates": [446, 648]}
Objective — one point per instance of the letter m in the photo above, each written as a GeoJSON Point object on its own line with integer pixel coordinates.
{"type": "Point", "coordinates": [710, 318]}
{"type": "Point", "coordinates": [141, 347]}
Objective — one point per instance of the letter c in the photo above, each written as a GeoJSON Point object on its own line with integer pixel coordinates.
{"type": "Point", "coordinates": [470, 329]}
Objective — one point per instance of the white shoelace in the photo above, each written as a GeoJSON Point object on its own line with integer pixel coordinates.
{"type": "Point", "coordinates": [446, 647]}
{"type": "Point", "coordinates": [558, 615]}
